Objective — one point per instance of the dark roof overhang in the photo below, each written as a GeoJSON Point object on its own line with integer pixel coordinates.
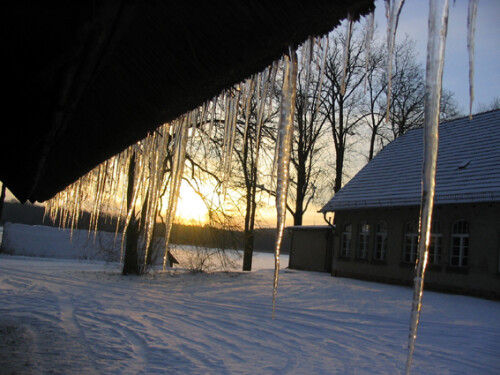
{"type": "Point", "coordinates": [84, 80]}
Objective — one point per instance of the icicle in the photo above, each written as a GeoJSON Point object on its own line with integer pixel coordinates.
{"type": "Point", "coordinates": [212, 117]}
{"type": "Point", "coordinates": [471, 30]}
{"type": "Point", "coordinates": [393, 9]}
{"type": "Point", "coordinates": [233, 125]}
{"type": "Point", "coordinates": [181, 138]}
{"type": "Point", "coordinates": [285, 135]}
{"type": "Point", "coordinates": [272, 83]}
{"type": "Point", "coordinates": [232, 104]}
{"type": "Point", "coordinates": [247, 100]}
{"type": "Point", "coordinates": [158, 151]}
{"type": "Point", "coordinates": [438, 24]}
{"type": "Point", "coordinates": [347, 46]}
{"type": "Point", "coordinates": [322, 71]}
{"type": "Point", "coordinates": [370, 26]}
{"type": "Point", "coordinates": [309, 56]}
{"type": "Point", "coordinates": [261, 105]}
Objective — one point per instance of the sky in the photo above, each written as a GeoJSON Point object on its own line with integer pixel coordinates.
{"type": "Point", "coordinates": [413, 21]}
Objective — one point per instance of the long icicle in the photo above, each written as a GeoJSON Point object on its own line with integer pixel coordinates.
{"type": "Point", "coordinates": [393, 9]}
{"type": "Point", "coordinates": [179, 155]}
{"type": "Point", "coordinates": [471, 30]}
{"type": "Point", "coordinates": [370, 26]}
{"type": "Point", "coordinates": [347, 52]}
{"type": "Point", "coordinates": [285, 135]}
{"type": "Point", "coordinates": [322, 71]}
{"type": "Point", "coordinates": [438, 25]}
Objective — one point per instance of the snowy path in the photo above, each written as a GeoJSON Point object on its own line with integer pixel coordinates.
{"type": "Point", "coordinates": [77, 317]}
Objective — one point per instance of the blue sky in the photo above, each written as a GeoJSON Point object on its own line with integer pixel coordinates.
{"type": "Point", "coordinates": [413, 21]}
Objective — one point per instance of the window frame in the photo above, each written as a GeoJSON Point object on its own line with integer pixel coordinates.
{"type": "Point", "coordinates": [345, 241]}
{"type": "Point", "coordinates": [436, 244]}
{"type": "Point", "coordinates": [462, 234]}
{"type": "Point", "coordinates": [363, 248]}
{"type": "Point", "coordinates": [380, 245]}
{"type": "Point", "coordinates": [413, 244]}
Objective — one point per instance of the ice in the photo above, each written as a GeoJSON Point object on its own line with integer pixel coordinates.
{"type": "Point", "coordinates": [230, 124]}
{"type": "Point", "coordinates": [247, 100]}
{"type": "Point", "coordinates": [179, 154]}
{"type": "Point", "coordinates": [471, 30]}
{"type": "Point", "coordinates": [308, 53]}
{"type": "Point", "coordinates": [285, 134]}
{"type": "Point", "coordinates": [438, 24]}
{"type": "Point", "coordinates": [370, 26]}
{"type": "Point", "coordinates": [393, 9]}
{"type": "Point", "coordinates": [274, 71]}
{"type": "Point", "coordinates": [347, 47]}
{"type": "Point", "coordinates": [324, 45]}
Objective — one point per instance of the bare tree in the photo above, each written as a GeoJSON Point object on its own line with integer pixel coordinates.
{"type": "Point", "coordinates": [339, 105]}
{"type": "Point", "coordinates": [249, 150]}
{"type": "Point", "coordinates": [253, 125]}
{"type": "Point", "coordinates": [493, 105]}
{"type": "Point", "coordinates": [310, 126]}
{"type": "Point", "coordinates": [406, 110]}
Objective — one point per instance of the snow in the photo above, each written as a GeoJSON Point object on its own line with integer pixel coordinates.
{"type": "Point", "coordinates": [79, 316]}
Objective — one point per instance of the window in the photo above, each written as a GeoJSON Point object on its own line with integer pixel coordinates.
{"type": "Point", "coordinates": [381, 241]}
{"type": "Point", "coordinates": [411, 242]}
{"type": "Point", "coordinates": [435, 245]}
{"type": "Point", "coordinates": [459, 244]}
{"type": "Point", "coordinates": [345, 247]}
{"type": "Point", "coordinates": [363, 240]}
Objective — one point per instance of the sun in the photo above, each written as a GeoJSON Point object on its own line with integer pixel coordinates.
{"type": "Point", "coordinates": [190, 207]}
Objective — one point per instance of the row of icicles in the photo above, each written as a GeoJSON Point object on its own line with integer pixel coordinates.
{"type": "Point", "coordinates": [100, 187]}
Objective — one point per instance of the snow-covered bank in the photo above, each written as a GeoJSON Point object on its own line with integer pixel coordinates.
{"type": "Point", "coordinates": [50, 242]}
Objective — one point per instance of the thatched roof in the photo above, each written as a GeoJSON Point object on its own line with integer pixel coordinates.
{"type": "Point", "coordinates": [85, 80]}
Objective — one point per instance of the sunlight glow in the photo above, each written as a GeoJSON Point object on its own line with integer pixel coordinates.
{"type": "Point", "coordinates": [190, 207]}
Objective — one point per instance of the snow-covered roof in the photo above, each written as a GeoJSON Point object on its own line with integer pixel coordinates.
{"type": "Point", "coordinates": [468, 168]}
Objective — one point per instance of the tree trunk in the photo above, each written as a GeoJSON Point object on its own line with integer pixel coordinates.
{"type": "Point", "coordinates": [299, 209]}
{"type": "Point", "coordinates": [372, 144]}
{"type": "Point", "coordinates": [248, 250]}
{"type": "Point", "coordinates": [2, 199]}
{"type": "Point", "coordinates": [130, 260]}
{"type": "Point", "coordinates": [250, 222]}
{"type": "Point", "coordinates": [338, 171]}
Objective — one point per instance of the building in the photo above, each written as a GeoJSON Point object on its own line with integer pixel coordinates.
{"type": "Point", "coordinates": [377, 212]}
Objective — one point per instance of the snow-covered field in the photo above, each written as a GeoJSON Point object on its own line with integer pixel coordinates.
{"type": "Point", "coordinates": [74, 316]}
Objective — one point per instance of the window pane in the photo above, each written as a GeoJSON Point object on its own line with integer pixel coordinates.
{"type": "Point", "coordinates": [460, 244]}
{"type": "Point", "coordinates": [363, 240]}
{"type": "Point", "coordinates": [345, 250]}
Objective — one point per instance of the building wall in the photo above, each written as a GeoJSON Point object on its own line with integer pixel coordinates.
{"type": "Point", "coordinates": [480, 276]}
{"type": "Point", "coordinates": [311, 248]}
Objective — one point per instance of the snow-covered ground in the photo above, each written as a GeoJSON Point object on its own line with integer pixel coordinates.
{"type": "Point", "coordinates": [74, 316]}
